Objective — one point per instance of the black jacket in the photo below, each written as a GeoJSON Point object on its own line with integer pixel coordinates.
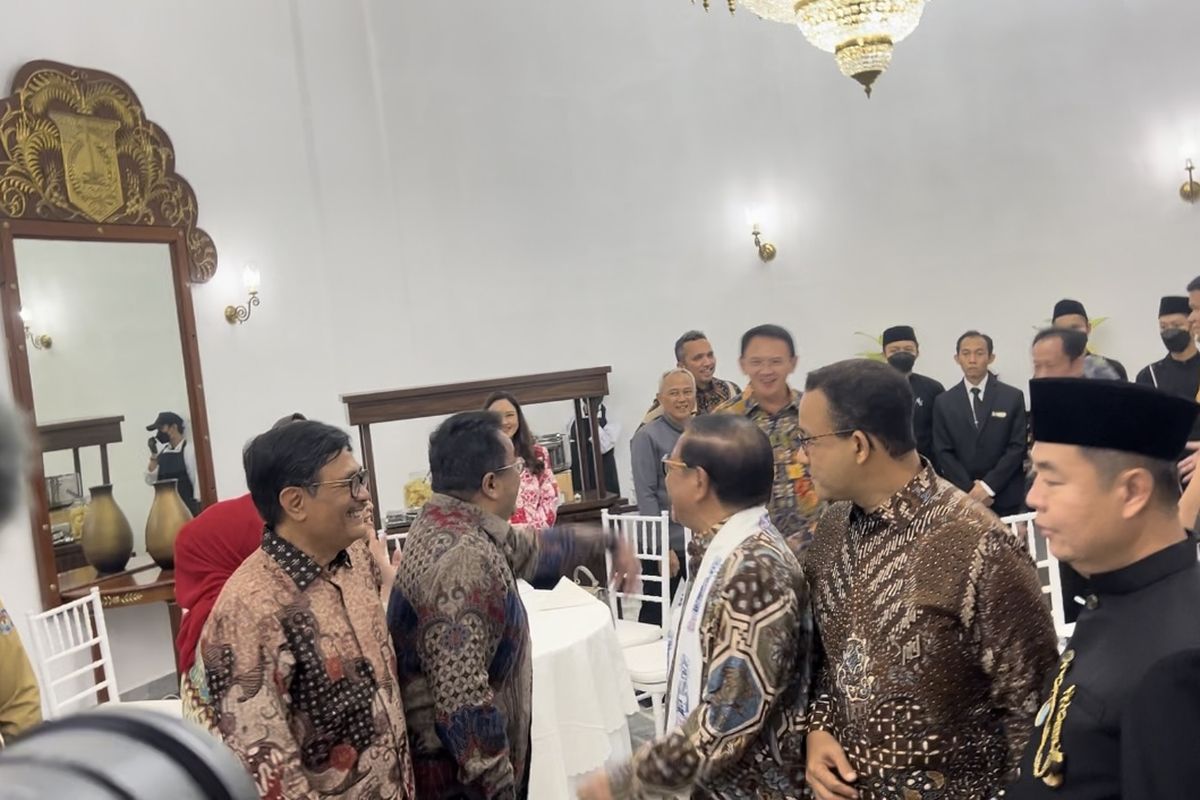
{"type": "Point", "coordinates": [925, 391]}
{"type": "Point", "coordinates": [993, 453]}
{"type": "Point", "coordinates": [1131, 726]}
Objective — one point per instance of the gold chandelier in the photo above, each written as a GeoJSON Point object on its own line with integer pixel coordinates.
{"type": "Point", "coordinates": [860, 33]}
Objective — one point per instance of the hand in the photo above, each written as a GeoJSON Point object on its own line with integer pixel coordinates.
{"type": "Point", "coordinates": [595, 787]}
{"type": "Point", "coordinates": [378, 547]}
{"type": "Point", "coordinates": [626, 567]}
{"type": "Point", "coordinates": [828, 773]}
{"type": "Point", "coordinates": [1188, 465]}
{"type": "Point", "coordinates": [674, 564]}
{"type": "Point", "coordinates": [980, 494]}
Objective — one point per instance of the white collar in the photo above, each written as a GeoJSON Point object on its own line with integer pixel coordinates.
{"type": "Point", "coordinates": [982, 387]}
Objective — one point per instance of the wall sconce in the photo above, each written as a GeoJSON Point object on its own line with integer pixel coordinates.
{"type": "Point", "coordinates": [240, 314]}
{"type": "Point", "coordinates": [1190, 190]}
{"type": "Point", "coordinates": [766, 250]}
{"type": "Point", "coordinates": [39, 341]}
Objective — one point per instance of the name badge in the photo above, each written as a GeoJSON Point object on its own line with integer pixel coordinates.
{"type": "Point", "coordinates": [1000, 414]}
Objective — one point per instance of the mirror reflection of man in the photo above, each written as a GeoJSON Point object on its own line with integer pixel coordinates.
{"type": "Point", "coordinates": [171, 458]}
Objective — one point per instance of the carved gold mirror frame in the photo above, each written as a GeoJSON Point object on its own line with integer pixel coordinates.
{"type": "Point", "coordinates": [80, 160]}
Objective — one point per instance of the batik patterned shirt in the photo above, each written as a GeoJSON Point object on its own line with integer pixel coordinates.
{"type": "Point", "coordinates": [935, 640]}
{"type": "Point", "coordinates": [462, 640]}
{"type": "Point", "coordinates": [300, 676]}
{"type": "Point", "coordinates": [743, 741]}
{"type": "Point", "coordinates": [794, 505]}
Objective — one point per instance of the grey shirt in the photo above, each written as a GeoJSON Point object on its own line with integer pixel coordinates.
{"type": "Point", "coordinates": [1097, 367]}
{"type": "Point", "coordinates": [653, 441]}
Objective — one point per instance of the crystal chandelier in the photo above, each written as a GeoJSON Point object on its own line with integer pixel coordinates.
{"type": "Point", "coordinates": [859, 33]}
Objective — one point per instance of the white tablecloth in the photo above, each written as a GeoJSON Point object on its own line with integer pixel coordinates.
{"type": "Point", "coordinates": [581, 691]}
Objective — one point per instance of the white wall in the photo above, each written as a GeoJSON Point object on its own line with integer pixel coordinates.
{"type": "Point", "coordinates": [438, 191]}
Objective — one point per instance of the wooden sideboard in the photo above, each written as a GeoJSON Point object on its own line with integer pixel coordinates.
{"type": "Point", "coordinates": [584, 387]}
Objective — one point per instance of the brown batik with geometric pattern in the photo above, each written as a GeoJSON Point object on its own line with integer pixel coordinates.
{"type": "Point", "coordinates": [744, 737]}
{"type": "Point", "coordinates": [935, 641]}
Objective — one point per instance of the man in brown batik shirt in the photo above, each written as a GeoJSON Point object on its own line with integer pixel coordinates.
{"type": "Point", "coordinates": [935, 637]}
{"type": "Point", "coordinates": [298, 663]}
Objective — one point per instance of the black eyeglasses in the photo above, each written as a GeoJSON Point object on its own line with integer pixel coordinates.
{"type": "Point", "coordinates": [804, 442]}
{"type": "Point", "coordinates": [357, 482]}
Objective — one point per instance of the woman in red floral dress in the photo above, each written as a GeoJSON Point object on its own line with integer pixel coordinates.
{"type": "Point", "coordinates": [537, 504]}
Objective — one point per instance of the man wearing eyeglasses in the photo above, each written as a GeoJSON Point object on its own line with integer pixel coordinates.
{"type": "Point", "coordinates": [694, 353]}
{"type": "Point", "coordinates": [457, 621]}
{"type": "Point", "coordinates": [296, 652]}
{"type": "Point", "coordinates": [739, 663]}
{"type": "Point", "coordinates": [769, 359]}
{"type": "Point", "coordinates": [653, 441]}
{"type": "Point", "coordinates": [934, 634]}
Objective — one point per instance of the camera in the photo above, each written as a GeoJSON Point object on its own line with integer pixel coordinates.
{"type": "Point", "coordinates": [117, 754]}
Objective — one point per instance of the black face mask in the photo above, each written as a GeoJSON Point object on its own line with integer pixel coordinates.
{"type": "Point", "coordinates": [902, 361]}
{"type": "Point", "coordinates": [163, 437]}
{"type": "Point", "coordinates": [1176, 340]}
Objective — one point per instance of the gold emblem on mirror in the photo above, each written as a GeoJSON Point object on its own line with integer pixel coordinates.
{"type": "Point", "coordinates": [89, 153]}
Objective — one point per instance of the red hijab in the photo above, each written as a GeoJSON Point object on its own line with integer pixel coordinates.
{"type": "Point", "coordinates": [207, 551]}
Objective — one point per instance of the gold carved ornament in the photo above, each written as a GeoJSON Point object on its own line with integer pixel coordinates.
{"type": "Point", "coordinates": [116, 600]}
{"type": "Point", "coordinates": [75, 146]}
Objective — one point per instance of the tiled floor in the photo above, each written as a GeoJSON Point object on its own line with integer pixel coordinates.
{"type": "Point", "coordinates": [157, 689]}
{"type": "Point", "coordinates": [641, 728]}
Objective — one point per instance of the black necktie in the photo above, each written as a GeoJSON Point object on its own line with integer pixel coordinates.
{"type": "Point", "coordinates": [976, 402]}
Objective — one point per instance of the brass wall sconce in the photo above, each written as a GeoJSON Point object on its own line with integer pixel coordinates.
{"type": "Point", "coordinates": [1189, 192]}
{"type": "Point", "coordinates": [239, 314]}
{"type": "Point", "coordinates": [766, 250]}
{"type": "Point", "coordinates": [40, 341]}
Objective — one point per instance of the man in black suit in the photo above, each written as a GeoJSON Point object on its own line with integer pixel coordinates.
{"type": "Point", "coordinates": [900, 350]}
{"type": "Point", "coordinates": [979, 430]}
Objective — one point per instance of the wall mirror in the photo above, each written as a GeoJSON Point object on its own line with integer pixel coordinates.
{"type": "Point", "coordinates": [98, 251]}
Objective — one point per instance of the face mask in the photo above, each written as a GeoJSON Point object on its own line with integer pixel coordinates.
{"type": "Point", "coordinates": [1176, 340]}
{"type": "Point", "coordinates": [163, 437]}
{"type": "Point", "coordinates": [902, 361]}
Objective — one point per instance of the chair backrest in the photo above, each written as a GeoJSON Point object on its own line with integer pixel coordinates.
{"type": "Point", "coordinates": [70, 648]}
{"type": "Point", "coordinates": [1023, 526]}
{"type": "Point", "coordinates": [649, 537]}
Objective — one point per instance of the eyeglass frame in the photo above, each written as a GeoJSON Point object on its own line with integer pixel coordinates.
{"type": "Point", "coordinates": [363, 476]}
{"type": "Point", "coordinates": [804, 442]}
{"type": "Point", "coordinates": [668, 462]}
{"type": "Point", "coordinates": [518, 462]}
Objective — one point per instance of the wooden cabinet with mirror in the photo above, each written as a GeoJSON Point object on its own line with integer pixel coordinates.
{"type": "Point", "coordinates": [99, 248]}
